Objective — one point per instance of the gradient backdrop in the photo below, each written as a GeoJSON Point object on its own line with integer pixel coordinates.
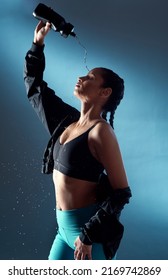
{"type": "Point", "coordinates": [129, 36]}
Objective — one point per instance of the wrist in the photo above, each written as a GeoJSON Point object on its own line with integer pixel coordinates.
{"type": "Point", "coordinates": [84, 238]}
{"type": "Point", "coordinates": [38, 42]}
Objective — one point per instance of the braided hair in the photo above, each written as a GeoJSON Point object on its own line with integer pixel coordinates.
{"type": "Point", "coordinates": [112, 80]}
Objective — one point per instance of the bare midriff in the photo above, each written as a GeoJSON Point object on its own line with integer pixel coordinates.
{"type": "Point", "coordinates": [72, 193]}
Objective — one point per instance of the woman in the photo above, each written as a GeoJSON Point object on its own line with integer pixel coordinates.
{"type": "Point", "coordinates": [81, 147]}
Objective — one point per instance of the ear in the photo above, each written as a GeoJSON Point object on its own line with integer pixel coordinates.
{"type": "Point", "coordinates": [106, 92]}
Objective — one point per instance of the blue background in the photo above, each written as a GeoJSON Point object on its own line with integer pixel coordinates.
{"type": "Point", "coordinates": [131, 38]}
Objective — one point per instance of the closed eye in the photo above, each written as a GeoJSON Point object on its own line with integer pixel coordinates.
{"type": "Point", "coordinates": [90, 76]}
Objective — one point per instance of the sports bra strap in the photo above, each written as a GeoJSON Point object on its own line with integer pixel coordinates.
{"type": "Point", "coordinates": [95, 125]}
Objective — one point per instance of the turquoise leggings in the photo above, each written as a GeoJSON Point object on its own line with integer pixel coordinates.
{"type": "Point", "coordinates": [70, 223]}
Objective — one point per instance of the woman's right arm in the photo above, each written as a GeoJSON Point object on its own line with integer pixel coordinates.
{"type": "Point", "coordinates": [49, 107]}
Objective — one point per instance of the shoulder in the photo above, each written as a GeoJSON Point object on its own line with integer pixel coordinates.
{"type": "Point", "coordinates": [103, 141]}
{"type": "Point", "coordinates": [103, 133]}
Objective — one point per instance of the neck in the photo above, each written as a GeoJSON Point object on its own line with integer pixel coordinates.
{"type": "Point", "coordinates": [89, 114]}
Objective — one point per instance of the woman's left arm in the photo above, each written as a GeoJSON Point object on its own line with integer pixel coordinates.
{"type": "Point", "coordinates": [107, 151]}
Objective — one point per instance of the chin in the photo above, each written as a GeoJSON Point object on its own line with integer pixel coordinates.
{"type": "Point", "coordinates": [76, 93]}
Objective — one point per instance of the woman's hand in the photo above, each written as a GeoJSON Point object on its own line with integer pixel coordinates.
{"type": "Point", "coordinates": [40, 32]}
{"type": "Point", "coordinates": [82, 251]}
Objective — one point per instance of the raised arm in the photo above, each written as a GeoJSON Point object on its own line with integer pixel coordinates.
{"type": "Point", "coordinates": [49, 107]}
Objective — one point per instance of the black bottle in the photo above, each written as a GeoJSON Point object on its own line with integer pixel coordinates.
{"type": "Point", "coordinates": [58, 23]}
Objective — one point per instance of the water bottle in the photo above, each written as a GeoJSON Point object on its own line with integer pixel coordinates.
{"type": "Point", "coordinates": [58, 23]}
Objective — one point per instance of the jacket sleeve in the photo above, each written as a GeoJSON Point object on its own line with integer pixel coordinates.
{"type": "Point", "coordinates": [104, 227]}
{"type": "Point", "coordinates": [48, 106]}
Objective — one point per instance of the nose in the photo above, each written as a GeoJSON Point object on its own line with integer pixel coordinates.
{"type": "Point", "coordinates": [81, 79]}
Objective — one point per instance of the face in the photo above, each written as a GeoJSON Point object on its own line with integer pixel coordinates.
{"type": "Point", "coordinates": [89, 87]}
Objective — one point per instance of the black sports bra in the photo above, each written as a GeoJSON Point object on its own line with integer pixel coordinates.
{"type": "Point", "coordinates": [74, 159]}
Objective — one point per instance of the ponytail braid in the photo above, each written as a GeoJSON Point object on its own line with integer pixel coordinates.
{"type": "Point", "coordinates": [113, 81]}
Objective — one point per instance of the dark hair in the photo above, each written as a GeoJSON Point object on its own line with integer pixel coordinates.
{"type": "Point", "coordinates": [112, 80]}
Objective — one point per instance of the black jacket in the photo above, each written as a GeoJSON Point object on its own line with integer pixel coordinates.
{"type": "Point", "coordinates": [56, 115]}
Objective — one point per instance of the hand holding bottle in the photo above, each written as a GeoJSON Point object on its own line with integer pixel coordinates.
{"type": "Point", "coordinates": [58, 23]}
{"type": "Point", "coordinates": [40, 32]}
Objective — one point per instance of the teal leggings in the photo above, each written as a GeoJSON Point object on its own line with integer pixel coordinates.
{"type": "Point", "coordinates": [70, 223]}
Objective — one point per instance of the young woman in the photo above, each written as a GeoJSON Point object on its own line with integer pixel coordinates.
{"type": "Point", "coordinates": [82, 145]}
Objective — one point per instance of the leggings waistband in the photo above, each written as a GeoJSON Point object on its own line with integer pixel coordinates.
{"type": "Point", "coordinates": [75, 217]}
